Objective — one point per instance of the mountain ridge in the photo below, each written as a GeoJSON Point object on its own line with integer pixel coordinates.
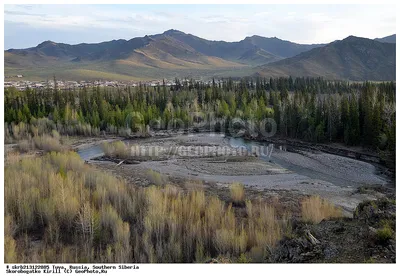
{"type": "Point", "coordinates": [173, 52]}
{"type": "Point", "coordinates": [353, 58]}
{"type": "Point", "coordinates": [387, 39]}
{"type": "Point", "coordinates": [233, 51]}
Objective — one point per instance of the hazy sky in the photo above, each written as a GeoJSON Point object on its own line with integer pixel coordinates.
{"type": "Point", "coordinates": [29, 25]}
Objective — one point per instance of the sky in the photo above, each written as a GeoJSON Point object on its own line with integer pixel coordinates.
{"type": "Point", "coordinates": [28, 25]}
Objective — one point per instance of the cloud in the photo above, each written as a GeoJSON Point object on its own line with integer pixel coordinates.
{"type": "Point", "coordinates": [84, 17]}
{"type": "Point", "coordinates": [26, 7]}
{"type": "Point", "coordinates": [262, 14]}
{"type": "Point", "coordinates": [21, 13]}
{"type": "Point", "coordinates": [301, 23]}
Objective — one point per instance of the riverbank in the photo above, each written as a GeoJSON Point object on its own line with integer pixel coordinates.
{"type": "Point", "coordinates": [283, 181]}
{"type": "Point", "coordinates": [332, 177]}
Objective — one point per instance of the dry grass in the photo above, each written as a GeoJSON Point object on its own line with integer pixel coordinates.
{"type": "Point", "coordinates": [155, 177]}
{"type": "Point", "coordinates": [237, 193]}
{"type": "Point", "coordinates": [43, 127]}
{"type": "Point", "coordinates": [116, 149]}
{"type": "Point", "coordinates": [314, 209]}
{"type": "Point", "coordinates": [56, 193]}
{"type": "Point", "coordinates": [9, 242]}
{"type": "Point", "coordinates": [90, 216]}
{"type": "Point", "coordinates": [48, 143]}
{"type": "Point", "coordinates": [193, 184]}
{"type": "Point", "coordinates": [26, 146]}
{"type": "Point", "coordinates": [12, 157]}
{"type": "Point", "coordinates": [43, 142]}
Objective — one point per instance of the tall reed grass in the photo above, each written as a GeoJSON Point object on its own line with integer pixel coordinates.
{"type": "Point", "coordinates": [75, 213]}
{"type": "Point", "coordinates": [314, 209]}
{"type": "Point", "coordinates": [89, 216]}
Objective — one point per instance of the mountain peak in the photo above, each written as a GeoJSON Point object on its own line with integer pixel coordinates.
{"type": "Point", "coordinates": [46, 43]}
{"type": "Point", "coordinates": [172, 31]}
{"type": "Point", "coordinates": [258, 36]}
{"type": "Point", "coordinates": [351, 37]}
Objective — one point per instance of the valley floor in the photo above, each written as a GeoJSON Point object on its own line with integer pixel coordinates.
{"type": "Point", "coordinates": [283, 180]}
{"type": "Point", "coordinates": [335, 178]}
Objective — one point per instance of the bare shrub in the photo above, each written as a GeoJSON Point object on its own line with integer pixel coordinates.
{"type": "Point", "coordinates": [55, 134]}
{"type": "Point", "coordinates": [124, 132]}
{"type": "Point", "coordinates": [25, 146]}
{"type": "Point", "coordinates": [116, 149]}
{"type": "Point", "coordinates": [19, 131]}
{"type": "Point", "coordinates": [109, 221]}
{"type": "Point", "coordinates": [91, 216]}
{"type": "Point", "coordinates": [8, 138]}
{"type": "Point", "coordinates": [10, 254]}
{"type": "Point", "coordinates": [224, 239]}
{"type": "Point", "coordinates": [48, 143]}
{"type": "Point", "coordinates": [12, 157]}
{"type": "Point", "coordinates": [9, 226]}
{"type": "Point", "coordinates": [237, 193]}
{"type": "Point", "coordinates": [314, 209]}
{"type": "Point", "coordinates": [155, 177]}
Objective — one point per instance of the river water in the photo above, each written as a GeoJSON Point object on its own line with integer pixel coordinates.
{"type": "Point", "coordinates": [90, 152]}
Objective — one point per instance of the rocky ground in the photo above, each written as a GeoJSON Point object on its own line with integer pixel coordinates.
{"type": "Point", "coordinates": [369, 236]}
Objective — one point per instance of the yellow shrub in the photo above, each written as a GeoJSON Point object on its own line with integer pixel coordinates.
{"type": "Point", "coordinates": [314, 209]}
{"type": "Point", "coordinates": [10, 254]}
{"type": "Point", "coordinates": [155, 177]}
{"type": "Point", "coordinates": [48, 143]}
{"type": "Point", "coordinates": [237, 193]}
{"type": "Point", "coordinates": [116, 149]}
{"type": "Point", "coordinates": [91, 216]}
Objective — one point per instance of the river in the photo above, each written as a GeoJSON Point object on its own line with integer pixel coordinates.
{"type": "Point", "coordinates": [336, 170]}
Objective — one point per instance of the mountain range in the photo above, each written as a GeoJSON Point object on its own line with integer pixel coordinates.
{"type": "Point", "coordinates": [175, 53]}
{"type": "Point", "coordinates": [353, 59]}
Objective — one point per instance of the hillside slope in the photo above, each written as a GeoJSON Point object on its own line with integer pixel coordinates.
{"type": "Point", "coordinates": [172, 49]}
{"type": "Point", "coordinates": [353, 58]}
{"type": "Point", "coordinates": [387, 39]}
{"type": "Point", "coordinates": [175, 53]}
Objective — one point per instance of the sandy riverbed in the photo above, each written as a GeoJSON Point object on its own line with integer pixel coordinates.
{"type": "Point", "coordinates": [332, 177]}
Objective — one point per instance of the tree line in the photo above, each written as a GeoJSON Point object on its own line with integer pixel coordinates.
{"type": "Point", "coordinates": [310, 109]}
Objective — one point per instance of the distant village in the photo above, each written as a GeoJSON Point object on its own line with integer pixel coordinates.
{"type": "Point", "coordinates": [62, 84]}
